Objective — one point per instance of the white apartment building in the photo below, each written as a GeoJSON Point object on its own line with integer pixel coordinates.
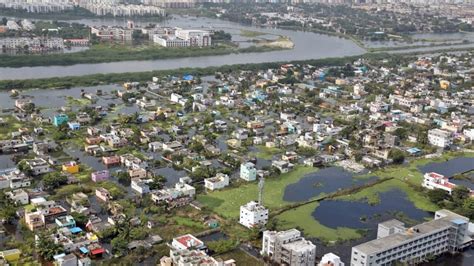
{"type": "Point", "coordinates": [32, 44]}
{"type": "Point", "coordinates": [440, 138]}
{"type": "Point", "coordinates": [253, 215]}
{"type": "Point", "coordinates": [112, 33]}
{"type": "Point", "coordinates": [13, 178]}
{"type": "Point", "coordinates": [168, 194]}
{"type": "Point", "coordinates": [18, 196]}
{"type": "Point", "coordinates": [140, 186]}
{"type": "Point", "coordinates": [288, 248]}
{"type": "Point", "coordinates": [38, 6]}
{"type": "Point", "coordinates": [169, 41]}
{"type": "Point", "coordinates": [331, 259]}
{"type": "Point", "coordinates": [437, 181]}
{"type": "Point", "coordinates": [200, 38]}
{"type": "Point", "coordinates": [248, 172]}
{"type": "Point", "coordinates": [448, 232]}
{"type": "Point", "coordinates": [218, 182]}
{"type": "Point", "coordinates": [38, 166]}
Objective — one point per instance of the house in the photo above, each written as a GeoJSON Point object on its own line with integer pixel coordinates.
{"type": "Point", "coordinates": [100, 176]}
{"type": "Point", "coordinates": [66, 260]}
{"type": "Point", "coordinates": [18, 196]}
{"type": "Point", "coordinates": [71, 167]}
{"type": "Point", "coordinates": [187, 242]}
{"type": "Point", "coordinates": [137, 173]}
{"type": "Point", "coordinates": [140, 186]}
{"type": "Point", "coordinates": [330, 259]}
{"type": "Point", "coordinates": [248, 171]}
{"type": "Point", "coordinates": [110, 161]}
{"type": "Point", "coordinates": [253, 215]}
{"type": "Point", "coordinates": [440, 138]}
{"type": "Point", "coordinates": [60, 119]}
{"type": "Point", "coordinates": [282, 166]}
{"type": "Point", "coordinates": [65, 221]}
{"type": "Point", "coordinates": [34, 220]}
{"type": "Point", "coordinates": [74, 125]}
{"type": "Point", "coordinates": [38, 166]}
{"type": "Point", "coordinates": [218, 182]}
{"type": "Point", "coordinates": [103, 194]}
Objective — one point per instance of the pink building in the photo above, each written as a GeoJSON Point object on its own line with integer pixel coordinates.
{"type": "Point", "coordinates": [111, 160]}
{"type": "Point", "coordinates": [100, 176]}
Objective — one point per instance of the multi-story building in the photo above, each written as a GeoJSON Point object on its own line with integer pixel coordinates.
{"type": "Point", "coordinates": [184, 38]}
{"type": "Point", "coordinates": [248, 171]}
{"type": "Point", "coordinates": [13, 178]}
{"type": "Point", "coordinates": [32, 43]}
{"type": "Point", "coordinates": [38, 166]}
{"type": "Point", "coordinates": [440, 138]}
{"type": "Point", "coordinates": [112, 33]}
{"type": "Point", "coordinates": [437, 181]}
{"type": "Point", "coordinates": [253, 215]}
{"type": "Point", "coordinates": [448, 232]}
{"type": "Point", "coordinates": [288, 248]}
{"type": "Point", "coordinates": [218, 182]}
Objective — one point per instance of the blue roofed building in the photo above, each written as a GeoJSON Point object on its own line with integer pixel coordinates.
{"type": "Point", "coordinates": [60, 119]}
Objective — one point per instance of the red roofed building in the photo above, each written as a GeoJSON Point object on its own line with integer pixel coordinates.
{"type": "Point", "coordinates": [437, 181]}
{"type": "Point", "coordinates": [186, 242]}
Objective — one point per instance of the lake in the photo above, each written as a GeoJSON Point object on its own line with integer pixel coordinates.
{"type": "Point", "coordinates": [326, 180]}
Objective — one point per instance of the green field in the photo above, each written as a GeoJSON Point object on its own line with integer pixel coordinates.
{"type": "Point", "coordinates": [251, 33]}
{"type": "Point", "coordinates": [302, 219]}
{"type": "Point", "coordinates": [227, 202]}
{"type": "Point", "coordinates": [266, 153]}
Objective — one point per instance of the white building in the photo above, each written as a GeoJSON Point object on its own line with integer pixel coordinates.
{"type": "Point", "coordinates": [448, 232]}
{"type": "Point", "coordinates": [440, 138]}
{"type": "Point", "coordinates": [248, 171]}
{"type": "Point", "coordinates": [253, 215]}
{"type": "Point", "coordinates": [140, 186]}
{"type": "Point", "coordinates": [32, 43]}
{"type": "Point", "coordinates": [330, 259]}
{"type": "Point", "coordinates": [288, 248]}
{"type": "Point", "coordinates": [186, 242]}
{"type": "Point", "coordinates": [200, 38]}
{"type": "Point", "coordinates": [168, 194]}
{"type": "Point", "coordinates": [13, 178]}
{"type": "Point", "coordinates": [38, 166]}
{"type": "Point", "coordinates": [218, 182]}
{"type": "Point", "coordinates": [18, 196]}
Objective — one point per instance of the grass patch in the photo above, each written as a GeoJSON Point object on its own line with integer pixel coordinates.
{"type": "Point", "coordinates": [11, 124]}
{"type": "Point", "coordinates": [251, 33]}
{"type": "Point", "coordinates": [226, 202]}
{"type": "Point", "coordinates": [302, 219]}
{"type": "Point", "coordinates": [266, 153]}
{"type": "Point", "coordinates": [188, 222]}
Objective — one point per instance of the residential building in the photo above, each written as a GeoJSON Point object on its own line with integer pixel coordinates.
{"type": "Point", "coordinates": [13, 178]}
{"type": "Point", "coordinates": [112, 33]}
{"type": "Point", "coordinates": [71, 167]}
{"type": "Point", "coordinates": [38, 166]}
{"type": "Point", "coordinates": [331, 259]}
{"type": "Point", "coordinates": [60, 119]}
{"type": "Point", "coordinates": [100, 176]}
{"type": "Point", "coordinates": [18, 196]}
{"type": "Point", "coordinates": [288, 248]}
{"type": "Point", "coordinates": [65, 221]}
{"type": "Point", "coordinates": [448, 232]}
{"type": "Point", "coordinates": [103, 194]}
{"type": "Point", "coordinates": [433, 180]}
{"type": "Point", "coordinates": [187, 242]}
{"type": "Point", "coordinates": [440, 138]}
{"type": "Point", "coordinates": [253, 215]}
{"type": "Point", "coordinates": [218, 182]}
{"type": "Point", "coordinates": [140, 186]}
{"type": "Point", "coordinates": [34, 220]}
{"type": "Point", "coordinates": [248, 171]}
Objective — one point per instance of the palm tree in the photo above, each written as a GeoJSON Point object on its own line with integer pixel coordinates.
{"type": "Point", "coordinates": [46, 247]}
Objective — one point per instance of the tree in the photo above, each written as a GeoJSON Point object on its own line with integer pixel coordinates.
{"type": "Point", "coordinates": [397, 156]}
{"type": "Point", "coordinates": [4, 21]}
{"type": "Point", "coordinates": [7, 208]}
{"type": "Point", "coordinates": [54, 180]}
{"type": "Point", "coordinates": [437, 195]}
{"type": "Point", "coordinates": [468, 208]}
{"type": "Point", "coordinates": [46, 247]}
{"type": "Point", "coordinates": [459, 194]}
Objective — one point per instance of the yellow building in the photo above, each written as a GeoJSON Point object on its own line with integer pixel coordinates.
{"type": "Point", "coordinates": [71, 167]}
{"type": "Point", "coordinates": [444, 84]}
{"type": "Point", "coordinates": [10, 255]}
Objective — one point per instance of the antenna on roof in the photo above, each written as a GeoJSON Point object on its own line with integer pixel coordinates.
{"type": "Point", "coordinates": [260, 190]}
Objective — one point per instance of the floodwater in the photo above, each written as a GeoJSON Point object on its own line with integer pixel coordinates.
{"type": "Point", "coordinates": [340, 213]}
{"type": "Point", "coordinates": [326, 180]}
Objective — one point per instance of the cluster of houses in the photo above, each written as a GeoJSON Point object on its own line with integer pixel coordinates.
{"type": "Point", "coordinates": [233, 128]}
